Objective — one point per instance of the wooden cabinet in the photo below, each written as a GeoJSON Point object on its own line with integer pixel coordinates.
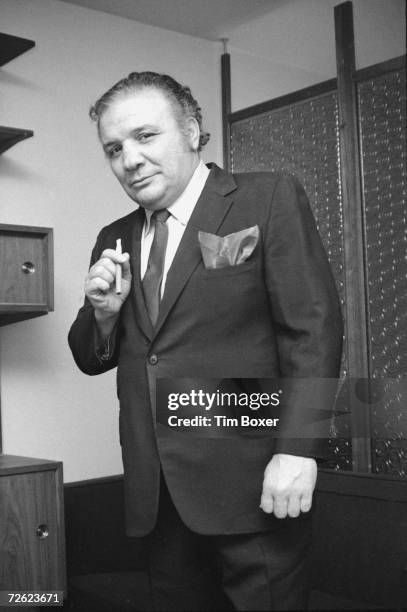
{"type": "Point", "coordinates": [26, 272]}
{"type": "Point", "coordinates": [32, 539]}
{"type": "Point", "coordinates": [32, 536]}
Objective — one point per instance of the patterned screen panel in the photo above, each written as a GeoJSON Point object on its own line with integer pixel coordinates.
{"type": "Point", "coordinates": [382, 111]}
{"type": "Point", "coordinates": [302, 138]}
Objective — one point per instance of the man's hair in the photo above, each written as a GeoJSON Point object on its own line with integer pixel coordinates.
{"type": "Point", "coordinates": [180, 97]}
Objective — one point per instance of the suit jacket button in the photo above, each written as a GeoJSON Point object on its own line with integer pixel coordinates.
{"type": "Point", "coordinates": [153, 359]}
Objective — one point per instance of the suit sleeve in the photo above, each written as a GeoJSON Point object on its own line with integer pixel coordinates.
{"type": "Point", "coordinates": [306, 317]}
{"type": "Point", "coordinates": [90, 354]}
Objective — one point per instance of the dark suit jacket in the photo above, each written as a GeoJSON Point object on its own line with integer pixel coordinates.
{"type": "Point", "coordinates": [276, 314]}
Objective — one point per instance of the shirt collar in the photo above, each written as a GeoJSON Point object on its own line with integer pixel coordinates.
{"type": "Point", "coordinates": [184, 205]}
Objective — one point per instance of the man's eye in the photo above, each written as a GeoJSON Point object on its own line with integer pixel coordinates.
{"type": "Point", "coordinates": [113, 151]}
{"type": "Point", "coordinates": [146, 136]}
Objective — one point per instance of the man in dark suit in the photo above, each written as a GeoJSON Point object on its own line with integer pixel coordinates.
{"type": "Point", "coordinates": [241, 501]}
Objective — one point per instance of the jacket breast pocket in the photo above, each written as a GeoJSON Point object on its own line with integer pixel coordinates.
{"type": "Point", "coordinates": [247, 267]}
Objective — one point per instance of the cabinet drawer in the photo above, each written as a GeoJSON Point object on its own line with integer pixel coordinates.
{"type": "Point", "coordinates": [31, 536]}
{"type": "Point", "coordinates": [26, 262]}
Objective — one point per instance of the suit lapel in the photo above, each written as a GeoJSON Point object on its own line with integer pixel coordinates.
{"type": "Point", "coordinates": [210, 210]}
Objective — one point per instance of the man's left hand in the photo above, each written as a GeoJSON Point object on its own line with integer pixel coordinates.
{"type": "Point", "coordinates": [289, 482]}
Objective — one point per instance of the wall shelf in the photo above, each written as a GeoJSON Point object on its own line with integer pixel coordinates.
{"type": "Point", "coordinates": [26, 253]}
{"type": "Point", "coordinates": [13, 46]}
{"type": "Point", "coordinates": [10, 136]}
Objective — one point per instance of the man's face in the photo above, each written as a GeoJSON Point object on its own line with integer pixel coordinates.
{"type": "Point", "coordinates": [148, 153]}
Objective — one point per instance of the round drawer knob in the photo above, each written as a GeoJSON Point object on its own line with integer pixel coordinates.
{"type": "Point", "coordinates": [42, 532]}
{"type": "Point", "coordinates": [28, 267]}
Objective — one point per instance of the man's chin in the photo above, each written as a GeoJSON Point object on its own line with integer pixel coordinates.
{"type": "Point", "coordinates": [152, 204]}
{"type": "Point", "coordinates": [152, 207]}
{"type": "Point", "coordinates": [143, 198]}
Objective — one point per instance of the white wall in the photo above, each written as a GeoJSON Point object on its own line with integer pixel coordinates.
{"type": "Point", "coordinates": [294, 46]}
{"type": "Point", "coordinates": [60, 179]}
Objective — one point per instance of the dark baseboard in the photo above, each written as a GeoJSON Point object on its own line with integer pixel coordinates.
{"type": "Point", "coordinates": [360, 538]}
{"type": "Point", "coordinates": [95, 535]}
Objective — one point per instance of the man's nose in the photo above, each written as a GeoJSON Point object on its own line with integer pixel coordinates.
{"type": "Point", "coordinates": [132, 156]}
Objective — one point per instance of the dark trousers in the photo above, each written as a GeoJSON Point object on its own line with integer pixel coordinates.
{"type": "Point", "coordinates": [257, 571]}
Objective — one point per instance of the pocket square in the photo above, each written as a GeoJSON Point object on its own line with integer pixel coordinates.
{"type": "Point", "coordinates": [231, 250]}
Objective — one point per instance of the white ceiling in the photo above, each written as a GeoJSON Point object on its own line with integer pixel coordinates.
{"type": "Point", "coordinates": [209, 19]}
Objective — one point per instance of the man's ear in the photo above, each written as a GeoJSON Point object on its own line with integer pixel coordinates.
{"type": "Point", "coordinates": [192, 133]}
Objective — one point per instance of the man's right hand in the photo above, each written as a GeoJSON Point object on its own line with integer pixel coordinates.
{"type": "Point", "coordinates": [100, 288]}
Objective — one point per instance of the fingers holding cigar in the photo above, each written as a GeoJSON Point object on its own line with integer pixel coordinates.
{"type": "Point", "coordinates": [111, 256]}
{"type": "Point", "coordinates": [110, 276]}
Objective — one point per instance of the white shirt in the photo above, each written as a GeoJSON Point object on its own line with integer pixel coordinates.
{"type": "Point", "coordinates": [180, 213]}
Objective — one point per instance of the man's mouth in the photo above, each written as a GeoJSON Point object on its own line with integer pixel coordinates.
{"type": "Point", "coordinates": [138, 182]}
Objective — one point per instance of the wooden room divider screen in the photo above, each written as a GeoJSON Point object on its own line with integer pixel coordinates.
{"type": "Point", "coordinates": [302, 133]}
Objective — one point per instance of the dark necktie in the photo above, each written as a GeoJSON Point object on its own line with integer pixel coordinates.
{"type": "Point", "coordinates": [155, 266]}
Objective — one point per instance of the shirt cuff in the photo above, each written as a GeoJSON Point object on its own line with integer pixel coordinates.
{"type": "Point", "coordinates": [104, 347]}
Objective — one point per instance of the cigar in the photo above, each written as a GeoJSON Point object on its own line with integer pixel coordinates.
{"type": "Point", "coordinates": [118, 277]}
